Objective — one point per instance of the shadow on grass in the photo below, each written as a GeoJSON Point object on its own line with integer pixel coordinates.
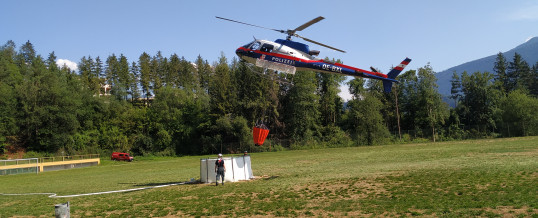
{"type": "Point", "coordinates": [271, 177]}
{"type": "Point", "coordinates": [159, 184]}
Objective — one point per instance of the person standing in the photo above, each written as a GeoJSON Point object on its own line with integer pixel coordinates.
{"type": "Point", "coordinates": [220, 169]}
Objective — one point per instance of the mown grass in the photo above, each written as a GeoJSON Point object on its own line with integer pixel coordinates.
{"type": "Point", "coordinates": [453, 179]}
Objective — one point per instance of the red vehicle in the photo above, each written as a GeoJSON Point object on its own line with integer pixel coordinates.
{"type": "Point", "coordinates": [121, 156]}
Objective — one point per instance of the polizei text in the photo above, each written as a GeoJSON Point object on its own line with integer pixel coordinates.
{"type": "Point", "coordinates": [283, 60]}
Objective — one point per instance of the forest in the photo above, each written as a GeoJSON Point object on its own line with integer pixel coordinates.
{"type": "Point", "coordinates": [169, 106]}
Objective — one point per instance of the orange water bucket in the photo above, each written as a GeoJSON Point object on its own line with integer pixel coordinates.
{"type": "Point", "coordinates": [259, 134]}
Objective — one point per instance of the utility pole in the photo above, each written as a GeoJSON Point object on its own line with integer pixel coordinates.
{"type": "Point", "coordinates": [397, 111]}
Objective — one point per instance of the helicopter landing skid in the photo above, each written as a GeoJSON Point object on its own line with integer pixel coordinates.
{"type": "Point", "coordinates": [268, 74]}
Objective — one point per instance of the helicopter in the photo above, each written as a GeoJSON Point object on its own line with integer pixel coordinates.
{"type": "Point", "coordinates": [287, 56]}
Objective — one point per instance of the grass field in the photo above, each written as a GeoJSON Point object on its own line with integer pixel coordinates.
{"type": "Point", "coordinates": [467, 178]}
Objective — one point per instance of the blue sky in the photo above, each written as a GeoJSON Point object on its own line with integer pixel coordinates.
{"type": "Point", "coordinates": [374, 33]}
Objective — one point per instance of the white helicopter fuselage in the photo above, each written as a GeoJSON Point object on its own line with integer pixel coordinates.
{"type": "Point", "coordinates": [282, 57]}
{"type": "Point", "coordinates": [288, 57]}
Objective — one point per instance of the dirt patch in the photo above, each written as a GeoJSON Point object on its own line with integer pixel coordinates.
{"type": "Point", "coordinates": [482, 187]}
{"type": "Point", "coordinates": [177, 214]}
{"type": "Point", "coordinates": [324, 213]}
{"type": "Point", "coordinates": [371, 187]}
{"type": "Point", "coordinates": [323, 195]}
{"type": "Point", "coordinates": [115, 212]}
{"type": "Point", "coordinates": [509, 211]}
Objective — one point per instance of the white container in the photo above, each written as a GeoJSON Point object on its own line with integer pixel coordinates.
{"type": "Point", "coordinates": [62, 210]}
{"type": "Point", "coordinates": [237, 168]}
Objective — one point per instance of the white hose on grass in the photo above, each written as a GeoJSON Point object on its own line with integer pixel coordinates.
{"type": "Point", "coordinates": [54, 195]}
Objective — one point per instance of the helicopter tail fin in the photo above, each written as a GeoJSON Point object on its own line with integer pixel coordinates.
{"type": "Point", "coordinates": [398, 69]}
{"type": "Point", "coordinates": [387, 84]}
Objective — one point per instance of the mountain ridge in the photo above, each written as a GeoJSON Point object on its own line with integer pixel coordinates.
{"type": "Point", "coordinates": [528, 51]}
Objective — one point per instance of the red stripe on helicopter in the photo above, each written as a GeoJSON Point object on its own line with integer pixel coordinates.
{"type": "Point", "coordinates": [316, 61]}
{"type": "Point", "coordinates": [360, 70]}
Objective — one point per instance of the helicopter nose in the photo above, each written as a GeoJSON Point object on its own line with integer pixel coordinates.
{"type": "Point", "coordinates": [240, 52]}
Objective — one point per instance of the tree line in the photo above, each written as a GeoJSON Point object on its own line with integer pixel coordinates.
{"type": "Point", "coordinates": [171, 106]}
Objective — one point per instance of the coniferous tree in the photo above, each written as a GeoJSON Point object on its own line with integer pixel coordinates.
{"type": "Point", "coordinates": [455, 90]}
{"type": "Point", "coordinates": [302, 108]}
{"type": "Point", "coordinates": [158, 67]}
{"type": "Point", "coordinates": [111, 71]}
{"type": "Point", "coordinates": [501, 77]}
{"type": "Point", "coordinates": [133, 81]}
{"type": "Point", "coordinates": [221, 89]}
{"type": "Point", "coordinates": [187, 75]}
{"type": "Point", "coordinates": [9, 53]}
{"type": "Point", "coordinates": [51, 62]}
{"type": "Point", "coordinates": [173, 74]}
{"type": "Point", "coordinates": [10, 79]}
{"type": "Point", "coordinates": [330, 102]}
{"type": "Point", "coordinates": [27, 53]}
{"type": "Point", "coordinates": [24, 58]}
{"type": "Point", "coordinates": [92, 78]}
{"type": "Point", "coordinates": [204, 72]}
{"type": "Point", "coordinates": [517, 70]}
{"type": "Point", "coordinates": [144, 63]}
{"type": "Point", "coordinates": [250, 93]}
{"type": "Point", "coordinates": [85, 70]}
{"type": "Point", "coordinates": [533, 81]}
{"type": "Point", "coordinates": [98, 76]}
{"type": "Point", "coordinates": [124, 78]}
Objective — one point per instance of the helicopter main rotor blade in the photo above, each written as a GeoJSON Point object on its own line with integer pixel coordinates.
{"type": "Point", "coordinates": [291, 32]}
{"type": "Point", "coordinates": [312, 41]}
{"type": "Point", "coordinates": [309, 23]}
{"type": "Point", "coordinates": [281, 31]}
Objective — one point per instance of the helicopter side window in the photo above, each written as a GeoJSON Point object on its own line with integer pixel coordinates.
{"type": "Point", "coordinates": [267, 48]}
{"type": "Point", "coordinates": [255, 46]}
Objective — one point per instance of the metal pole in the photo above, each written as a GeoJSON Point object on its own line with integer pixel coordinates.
{"type": "Point", "coordinates": [397, 111]}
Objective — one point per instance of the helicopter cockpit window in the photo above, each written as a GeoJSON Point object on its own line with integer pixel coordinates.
{"type": "Point", "coordinates": [255, 46]}
{"type": "Point", "coordinates": [267, 48]}
{"type": "Point", "coordinates": [248, 45]}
